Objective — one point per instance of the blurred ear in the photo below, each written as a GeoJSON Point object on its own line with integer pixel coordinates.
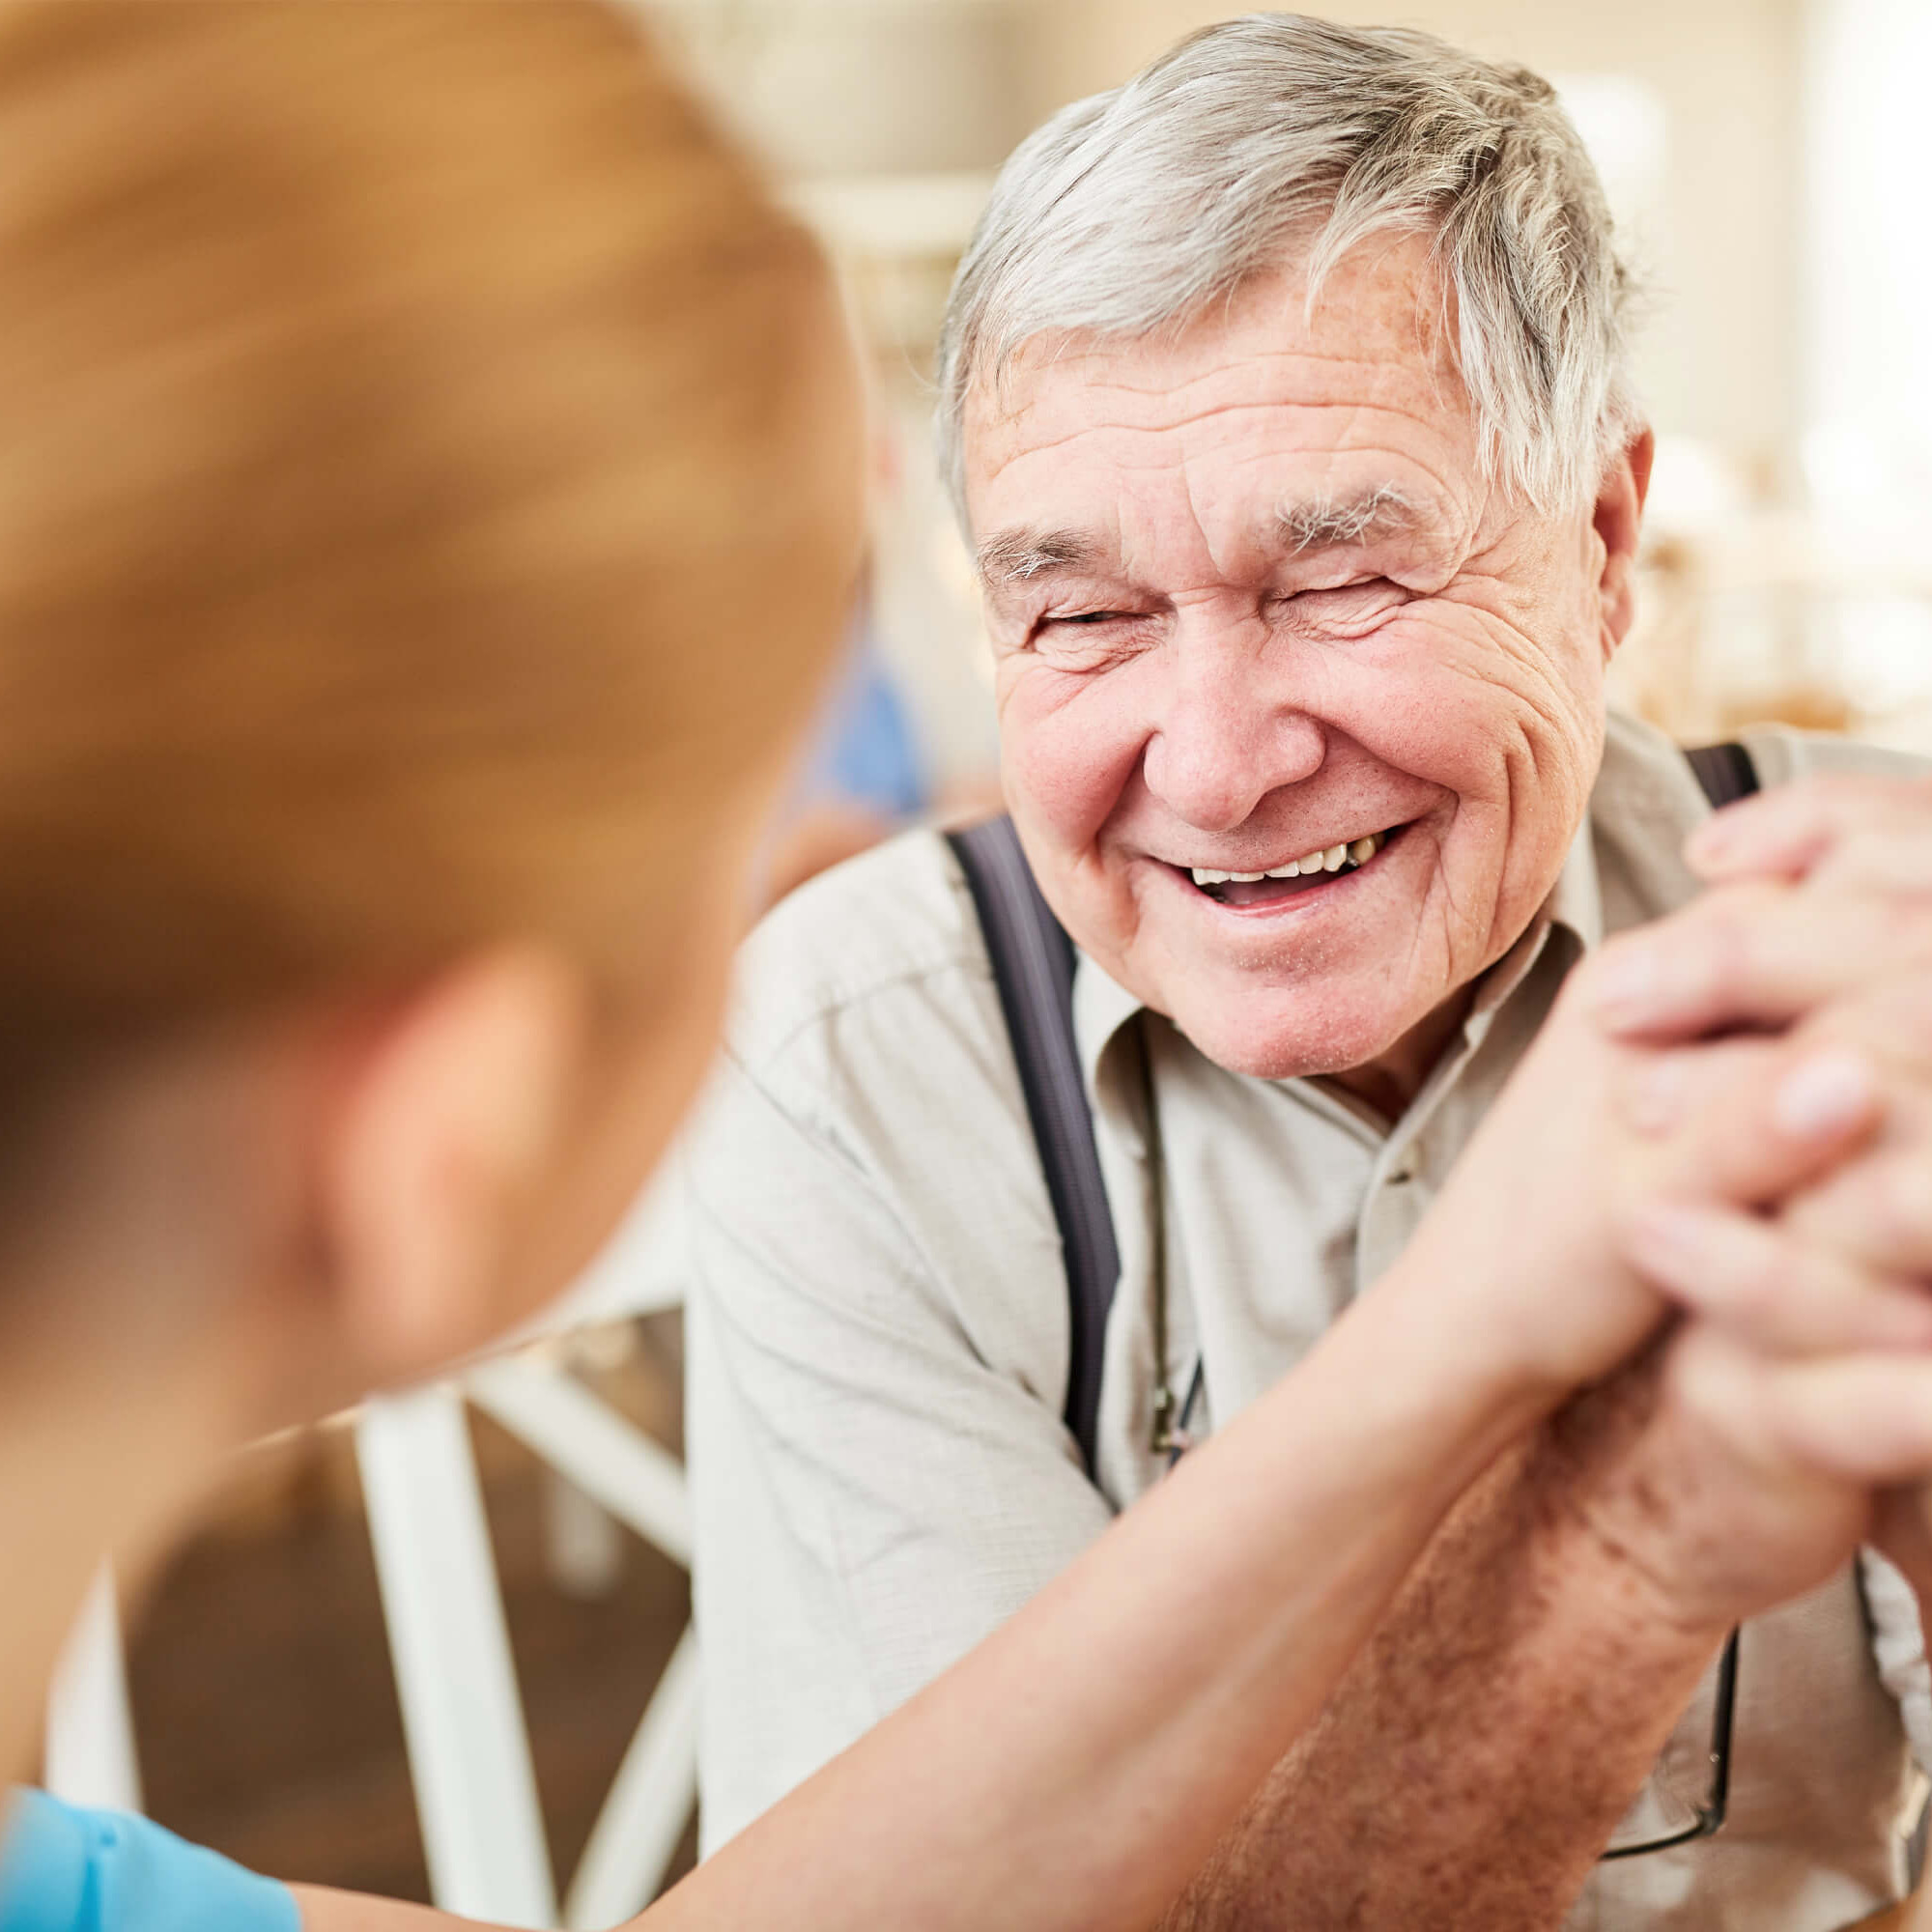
{"type": "Point", "coordinates": [434, 1158]}
{"type": "Point", "coordinates": [1618, 521]}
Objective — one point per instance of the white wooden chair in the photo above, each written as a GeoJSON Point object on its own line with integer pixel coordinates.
{"type": "Point", "coordinates": [91, 1757]}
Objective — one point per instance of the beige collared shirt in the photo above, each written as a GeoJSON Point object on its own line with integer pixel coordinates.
{"type": "Point", "coordinates": [879, 1336]}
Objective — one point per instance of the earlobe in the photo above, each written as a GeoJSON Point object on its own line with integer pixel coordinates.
{"type": "Point", "coordinates": [450, 1119]}
{"type": "Point", "coordinates": [1618, 522]}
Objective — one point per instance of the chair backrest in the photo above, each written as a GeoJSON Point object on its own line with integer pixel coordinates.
{"type": "Point", "coordinates": [91, 1757]}
{"type": "Point", "coordinates": [456, 1680]}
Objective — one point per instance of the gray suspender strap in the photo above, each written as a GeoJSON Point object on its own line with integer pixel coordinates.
{"type": "Point", "coordinates": [1725, 771]}
{"type": "Point", "coordinates": [1033, 967]}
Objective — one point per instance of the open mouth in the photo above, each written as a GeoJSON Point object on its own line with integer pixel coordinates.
{"type": "Point", "coordinates": [1299, 876]}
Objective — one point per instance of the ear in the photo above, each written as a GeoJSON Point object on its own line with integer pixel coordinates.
{"type": "Point", "coordinates": [1618, 521]}
{"type": "Point", "coordinates": [450, 1121]}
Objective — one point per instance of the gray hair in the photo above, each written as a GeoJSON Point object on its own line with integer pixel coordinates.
{"type": "Point", "coordinates": [1130, 213]}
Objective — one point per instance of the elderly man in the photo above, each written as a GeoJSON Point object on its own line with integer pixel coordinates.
{"type": "Point", "coordinates": [1284, 394]}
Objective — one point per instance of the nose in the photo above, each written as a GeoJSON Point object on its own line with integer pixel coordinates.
{"type": "Point", "coordinates": [1226, 734]}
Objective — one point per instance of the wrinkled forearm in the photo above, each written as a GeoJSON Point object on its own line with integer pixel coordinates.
{"type": "Point", "coordinates": [1478, 1752]}
{"type": "Point", "coordinates": [1077, 1767]}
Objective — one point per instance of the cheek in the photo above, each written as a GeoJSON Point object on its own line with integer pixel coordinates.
{"type": "Point", "coordinates": [1070, 745]}
{"type": "Point", "coordinates": [643, 1070]}
{"type": "Point", "coordinates": [649, 1066]}
{"type": "Point", "coordinates": [1466, 701]}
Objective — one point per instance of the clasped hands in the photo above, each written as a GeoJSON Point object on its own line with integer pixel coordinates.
{"type": "Point", "coordinates": [1722, 1145]}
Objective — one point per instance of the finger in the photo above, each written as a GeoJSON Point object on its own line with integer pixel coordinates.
{"type": "Point", "coordinates": [1793, 1112]}
{"type": "Point", "coordinates": [1864, 1418]}
{"type": "Point", "coordinates": [1755, 956]}
{"type": "Point", "coordinates": [1876, 1213]}
{"type": "Point", "coordinates": [1656, 1089]}
{"type": "Point", "coordinates": [1764, 1287]}
{"type": "Point", "coordinates": [1885, 858]}
{"type": "Point", "coordinates": [1783, 833]}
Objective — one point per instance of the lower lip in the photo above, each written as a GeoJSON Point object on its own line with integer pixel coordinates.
{"type": "Point", "coordinates": [1290, 902]}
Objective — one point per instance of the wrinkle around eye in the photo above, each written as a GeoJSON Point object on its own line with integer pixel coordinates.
{"type": "Point", "coordinates": [1088, 639]}
{"type": "Point", "coordinates": [1347, 610]}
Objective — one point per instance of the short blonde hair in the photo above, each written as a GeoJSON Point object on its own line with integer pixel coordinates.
{"type": "Point", "coordinates": [402, 525]}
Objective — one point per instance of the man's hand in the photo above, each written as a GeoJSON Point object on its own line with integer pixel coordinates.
{"type": "Point", "coordinates": [1709, 1523]}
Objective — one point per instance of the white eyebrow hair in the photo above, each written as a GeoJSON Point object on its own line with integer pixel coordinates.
{"type": "Point", "coordinates": [1323, 521]}
{"type": "Point", "coordinates": [1011, 556]}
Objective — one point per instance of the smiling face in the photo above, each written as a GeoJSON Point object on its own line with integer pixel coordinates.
{"type": "Point", "coordinates": [1253, 601]}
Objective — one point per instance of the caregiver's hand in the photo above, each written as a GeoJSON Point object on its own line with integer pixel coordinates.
{"type": "Point", "coordinates": [1526, 1236]}
{"type": "Point", "coordinates": [1825, 931]}
{"type": "Point", "coordinates": [1851, 827]}
{"type": "Point", "coordinates": [1844, 1261]}
{"type": "Point", "coordinates": [1821, 888]}
{"type": "Point", "coordinates": [1814, 1317]}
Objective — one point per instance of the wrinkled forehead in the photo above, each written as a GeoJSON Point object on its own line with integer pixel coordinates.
{"type": "Point", "coordinates": [1262, 411]}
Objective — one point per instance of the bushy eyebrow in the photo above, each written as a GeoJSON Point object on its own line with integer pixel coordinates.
{"type": "Point", "coordinates": [1323, 520]}
{"type": "Point", "coordinates": [1012, 557]}
{"type": "Point", "coordinates": [1017, 556]}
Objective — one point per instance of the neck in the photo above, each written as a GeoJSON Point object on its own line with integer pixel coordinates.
{"type": "Point", "coordinates": [1389, 1083]}
{"type": "Point", "coordinates": [138, 1324]}
{"type": "Point", "coordinates": [116, 1409]}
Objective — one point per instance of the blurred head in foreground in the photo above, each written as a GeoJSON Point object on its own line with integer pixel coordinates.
{"type": "Point", "coordinates": [428, 498]}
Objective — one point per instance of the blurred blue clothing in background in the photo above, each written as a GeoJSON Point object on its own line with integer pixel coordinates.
{"type": "Point", "coordinates": [63, 1870]}
{"type": "Point", "coordinates": [865, 751]}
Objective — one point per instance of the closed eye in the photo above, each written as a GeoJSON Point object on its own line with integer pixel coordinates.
{"type": "Point", "coordinates": [1088, 639]}
{"type": "Point", "coordinates": [1349, 608]}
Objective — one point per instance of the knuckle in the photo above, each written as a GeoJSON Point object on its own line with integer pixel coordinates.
{"type": "Point", "coordinates": [1907, 1016]}
{"type": "Point", "coordinates": [1767, 1293]}
{"type": "Point", "coordinates": [1890, 1001]}
{"type": "Point", "coordinates": [1863, 792]}
{"type": "Point", "coordinates": [1898, 1205]}
{"type": "Point", "coordinates": [1704, 1377]}
{"type": "Point", "coordinates": [1728, 936]}
{"type": "Point", "coordinates": [1605, 961]}
{"type": "Point", "coordinates": [1900, 928]}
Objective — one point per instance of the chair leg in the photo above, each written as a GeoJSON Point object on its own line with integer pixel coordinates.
{"type": "Point", "coordinates": [583, 1542]}
{"type": "Point", "coordinates": [463, 1719]}
{"type": "Point", "coordinates": [91, 1757]}
{"type": "Point", "coordinates": [648, 1806]}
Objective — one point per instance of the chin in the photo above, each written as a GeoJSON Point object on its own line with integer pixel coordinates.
{"type": "Point", "coordinates": [1295, 1035]}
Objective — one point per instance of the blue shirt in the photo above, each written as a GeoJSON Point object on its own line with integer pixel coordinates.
{"type": "Point", "coordinates": [68, 1870]}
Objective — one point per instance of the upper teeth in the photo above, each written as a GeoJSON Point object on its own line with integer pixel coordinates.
{"type": "Point", "coordinates": [1327, 859]}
